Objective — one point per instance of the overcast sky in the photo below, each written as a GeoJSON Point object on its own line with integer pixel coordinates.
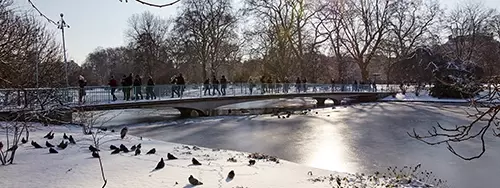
{"type": "Point", "coordinates": [102, 23]}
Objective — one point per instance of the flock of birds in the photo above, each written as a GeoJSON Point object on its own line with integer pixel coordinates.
{"type": "Point", "coordinates": [122, 148]}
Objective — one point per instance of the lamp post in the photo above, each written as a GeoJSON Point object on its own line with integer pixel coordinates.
{"type": "Point", "coordinates": [61, 25]}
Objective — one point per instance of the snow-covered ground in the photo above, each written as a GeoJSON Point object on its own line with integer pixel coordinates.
{"type": "Point", "coordinates": [75, 166]}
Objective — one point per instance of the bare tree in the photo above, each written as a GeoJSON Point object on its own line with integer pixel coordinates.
{"type": "Point", "coordinates": [364, 24]}
{"type": "Point", "coordinates": [154, 4]}
{"type": "Point", "coordinates": [147, 34]}
{"type": "Point", "coordinates": [469, 26]}
{"type": "Point", "coordinates": [289, 35]}
{"type": "Point", "coordinates": [207, 29]}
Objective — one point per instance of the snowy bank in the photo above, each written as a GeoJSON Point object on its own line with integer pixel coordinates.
{"type": "Point", "coordinates": [74, 166]}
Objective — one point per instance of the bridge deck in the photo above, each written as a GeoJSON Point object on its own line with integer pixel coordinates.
{"type": "Point", "coordinates": [100, 97]}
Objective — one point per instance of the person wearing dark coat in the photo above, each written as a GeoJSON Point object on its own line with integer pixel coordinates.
{"type": "Point", "coordinates": [298, 84]}
{"type": "Point", "coordinates": [223, 85]}
{"type": "Point", "coordinates": [181, 85]}
{"type": "Point", "coordinates": [138, 87]}
{"type": "Point", "coordinates": [113, 84]}
{"type": "Point", "coordinates": [304, 84]}
{"type": "Point", "coordinates": [129, 80]}
{"type": "Point", "coordinates": [81, 89]}
{"type": "Point", "coordinates": [215, 85]}
{"type": "Point", "coordinates": [150, 94]}
{"type": "Point", "coordinates": [174, 86]}
{"type": "Point", "coordinates": [206, 87]}
{"type": "Point", "coordinates": [124, 86]}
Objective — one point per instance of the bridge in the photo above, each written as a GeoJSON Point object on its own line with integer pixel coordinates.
{"type": "Point", "coordinates": [194, 100]}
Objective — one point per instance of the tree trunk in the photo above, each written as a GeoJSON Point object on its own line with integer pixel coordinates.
{"type": "Point", "coordinates": [365, 75]}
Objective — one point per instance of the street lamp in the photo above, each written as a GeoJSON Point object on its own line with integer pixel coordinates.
{"type": "Point", "coordinates": [61, 24]}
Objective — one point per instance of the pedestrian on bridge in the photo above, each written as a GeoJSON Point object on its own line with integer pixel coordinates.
{"type": "Point", "coordinates": [81, 89]}
{"type": "Point", "coordinates": [223, 85]}
{"type": "Point", "coordinates": [173, 87]}
{"type": "Point", "coordinates": [129, 81]}
{"type": "Point", "coordinates": [286, 85]}
{"type": "Point", "coordinates": [124, 85]}
{"type": "Point", "coordinates": [181, 85]}
{"type": "Point", "coordinates": [206, 86]}
{"type": "Point", "coordinates": [298, 85]}
{"type": "Point", "coordinates": [113, 84]}
{"type": "Point", "coordinates": [150, 94]}
{"type": "Point", "coordinates": [215, 85]}
{"type": "Point", "coordinates": [138, 87]}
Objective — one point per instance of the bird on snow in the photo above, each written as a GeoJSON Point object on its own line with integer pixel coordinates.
{"type": "Point", "coordinates": [251, 162]}
{"type": "Point", "coordinates": [230, 175]}
{"type": "Point", "coordinates": [124, 148]}
{"type": "Point", "coordinates": [52, 150]}
{"type": "Point", "coordinates": [152, 151]}
{"type": "Point", "coordinates": [49, 145]}
{"type": "Point", "coordinates": [139, 146]}
{"type": "Point", "coordinates": [137, 151]}
{"type": "Point", "coordinates": [133, 148]}
{"type": "Point", "coordinates": [48, 134]}
{"type": "Point", "coordinates": [62, 145]}
{"type": "Point", "coordinates": [194, 181]}
{"type": "Point", "coordinates": [113, 147]}
{"type": "Point", "coordinates": [123, 132]}
{"type": "Point", "coordinates": [95, 154]}
{"type": "Point", "coordinates": [160, 164]}
{"type": "Point", "coordinates": [51, 136]}
{"type": "Point", "coordinates": [24, 141]}
{"type": "Point", "coordinates": [65, 136]}
{"type": "Point", "coordinates": [71, 139]}
{"type": "Point", "coordinates": [171, 157]}
{"type": "Point", "coordinates": [195, 162]}
{"type": "Point", "coordinates": [36, 145]}
{"type": "Point", "coordinates": [116, 151]}
{"type": "Point", "coordinates": [93, 149]}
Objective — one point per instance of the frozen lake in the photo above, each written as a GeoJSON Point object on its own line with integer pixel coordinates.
{"type": "Point", "coordinates": [359, 138]}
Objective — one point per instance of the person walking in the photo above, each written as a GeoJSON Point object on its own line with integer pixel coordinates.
{"type": "Point", "coordinates": [223, 85]}
{"type": "Point", "coordinates": [206, 87]}
{"type": "Point", "coordinates": [129, 81]}
{"type": "Point", "coordinates": [181, 85]}
{"type": "Point", "coordinates": [124, 85]}
{"type": "Point", "coordinates": [215, 85]}
{"type": "Point", "coordinates": [138, 87]}
{"type": "Point", "coordinates": [173, 86]}
{"type": "Point", "coordinates": [298, 85]}
{"type": "Point", "coordinates": [251, 85]}
{"type": "Point", "coordinates": [113, 84]}
{"type": "Point", "coordinates": [81, 89]}
{"type": "Point", "coordinates": [150, 94]}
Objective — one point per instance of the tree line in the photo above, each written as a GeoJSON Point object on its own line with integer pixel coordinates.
{"type": "Point", "coordinates": [349, 40]}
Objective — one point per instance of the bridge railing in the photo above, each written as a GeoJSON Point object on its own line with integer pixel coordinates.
{"type": "Point", "coordinates": [32, 98]}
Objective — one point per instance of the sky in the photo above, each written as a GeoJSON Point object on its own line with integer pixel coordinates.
{"type": "Point", "coordinates": [102, 23]}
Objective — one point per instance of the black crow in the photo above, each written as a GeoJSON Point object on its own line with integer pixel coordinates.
{"type": "Point", "coordinates": [195, 162]}
{"type": "Point", "coordinates": [36, 145]}
{"type": "Point", "coordinates": [124, 148]}
{"type": "Point", "coordinates": [123, 132]}
{"type": "Point", "coordinates": [160, 164]}
{"type": "Point", "coordinates": [230, 175]}
{"type": "Point", "coordinates": [49, 145]}
{"type": "Point", "coordinates": [152, 151]}
{"type": "Point", "coordinates": [93, 149]}
{"type": "Point", "coordinates": [171, 157]}
{"type": "Point", "coordinates": [113, 147]}
{"type": "Point", "coordinates": [194, 181]}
